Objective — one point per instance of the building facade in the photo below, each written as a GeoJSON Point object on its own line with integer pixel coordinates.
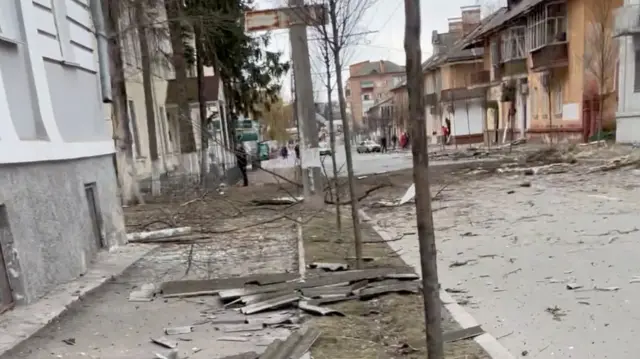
{"type": "Point", "coordinates": [627, 31]}
{"type": "Point", "coordinates": [369, 83]}
{"type": "Point", "coordinates": [545, 69]}
{"type": "Point", "coordinates": [59, 201]}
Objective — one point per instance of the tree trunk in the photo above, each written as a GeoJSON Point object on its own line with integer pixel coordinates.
{"type": "Point", "coordinates": [332, 140]}
{"type": "Point", "coordinates": [202, 106]}
{"type": "Point", "coordinates": [126, 170]}
{"type": "Point", "coordinates": [424, 214]}
{"type": "Point", "coordinates": [336, 49]}
{"type": "Point", "coordinates": [174, 14]}
{"type": "Point", "coordinates": [147, 79]}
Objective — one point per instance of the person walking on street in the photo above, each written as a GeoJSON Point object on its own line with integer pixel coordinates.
{"type": "Point", "coordinates": [447, 123]}
{"type": "Point", "coordinates": [284, 152]}
{"type": "Point", "coordinates": [383, 143]}
{"type": "Point", "coordinates": [241, 157]}
{"type": "Point", "coordinates": [297, 151]}
{"type": "Point", "coordinates": [394, 141]}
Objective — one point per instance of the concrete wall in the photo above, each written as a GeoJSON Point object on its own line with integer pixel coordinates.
{"type": "Point", "coordinates": [52, 239]}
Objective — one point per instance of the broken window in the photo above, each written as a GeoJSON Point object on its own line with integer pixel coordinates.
{"type": "Point", "coordinates": [513, 44]}
{"type": "Point", "coordinates": [546, 25]}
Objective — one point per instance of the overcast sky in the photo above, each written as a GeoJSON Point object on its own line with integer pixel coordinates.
{"type": "Point", "coordinates": [386, 19]}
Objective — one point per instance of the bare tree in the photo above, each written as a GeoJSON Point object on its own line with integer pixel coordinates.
{"type": "Point", "coordinates": [601, 53]}
{"type": "Point", "coordinates": [143, 27]}
{"type": "Point", "coordinates": [326, 59]}
{"type": "Point", "coordinates": [424, 214]}
{"type": "Point", "coordinates": [343, 19]}
{"type": "Point", "coordinates": [125, 167]}
{"type": "Point", "coordinates": [175, 11]}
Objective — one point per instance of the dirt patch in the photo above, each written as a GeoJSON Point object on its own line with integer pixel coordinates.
{"type": "Point", "coordinates": [391, 326]}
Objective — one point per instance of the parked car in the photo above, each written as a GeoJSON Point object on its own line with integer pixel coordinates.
{"type": "Point", "coordinates": [325, 150]}
{"type": "Point", "coordinates": [368, 146]}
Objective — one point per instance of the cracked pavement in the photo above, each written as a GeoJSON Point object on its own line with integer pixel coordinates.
{"type": "Point", "coordinates": [550, 269]}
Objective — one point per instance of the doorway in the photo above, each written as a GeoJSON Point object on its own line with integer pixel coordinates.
{"type": "Point", "coordinates": [90, 191]}
{"type": "Point", "coordinates": [6, 292]}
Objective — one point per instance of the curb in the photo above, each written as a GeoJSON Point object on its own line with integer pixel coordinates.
{"type": "Point", "coordinates": [24, 322]}
{"type": "Point", "coordinates": [486, 341]}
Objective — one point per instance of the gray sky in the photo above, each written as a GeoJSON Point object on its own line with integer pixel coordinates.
{"type": "Point", "coordinates": [387, 18]}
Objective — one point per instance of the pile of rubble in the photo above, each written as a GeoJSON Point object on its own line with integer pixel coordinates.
{"type": "Point", "coordinates": [252, 303]}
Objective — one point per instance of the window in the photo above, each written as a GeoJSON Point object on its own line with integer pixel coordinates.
{"type": "Point", "coordinates": [636, 64]}
{"type": "Point", "coordinates": [347, 92]}
{"type": "Point", "coordinates": [8, 20]}
{"type": "Point", "coordinates": [548, 24]}
{"type": "Point", "coordinates": [133, 127]}
{"type": "Point", "coordinates": [513, 44]}
{"type": "Point", "coordinates": [63, 29]}
{"type": "Point", "coordinates": [366, 97]}
{"type": "Point", "coordinates": [534, 102]}
{"type": "Point", "coordinates": [558, 100]}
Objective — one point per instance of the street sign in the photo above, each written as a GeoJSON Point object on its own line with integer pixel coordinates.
{"type": "Point", "coordinates": [283, 18]}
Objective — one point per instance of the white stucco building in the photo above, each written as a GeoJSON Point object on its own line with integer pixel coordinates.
{"type": "Point", "coordinates": [627, 28]}
{"type": "Point", "coordinates": [58, 189]}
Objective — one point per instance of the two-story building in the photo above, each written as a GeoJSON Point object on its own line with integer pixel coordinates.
{"type": "Point", "coordinates": [59, 200]}
{"type": "Point", "coordinates": [535, 70]}
{"type": "Point", "coordinates": [627, 31]}
{"type": "Point", "coordinates": [369, 83]}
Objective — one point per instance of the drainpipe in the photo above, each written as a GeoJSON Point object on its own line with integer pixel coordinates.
{"type": "Point", "coordinates": [103, 50]}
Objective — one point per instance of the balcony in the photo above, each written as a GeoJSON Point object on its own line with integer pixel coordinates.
{"type": "Point", "coordinates": [480, 78]}
{"type": "Point", "coordinates": [514, 67]}
{"type": "Point", "coordinates": [552, 55]}
{"type": "Point", "coordinates": [462, 93]}
{"type": "Point", "coordinates": [627, 20]}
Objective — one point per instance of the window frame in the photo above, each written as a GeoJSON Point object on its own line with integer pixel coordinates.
{"type": "Point", "coordinates": [513, 44]}
{"type": "Point", "coordinates": [538, 35]}
{"type": "Point", "coordinates": [9, 31]}
{"type": "Point", "coordinates": [558, 99]}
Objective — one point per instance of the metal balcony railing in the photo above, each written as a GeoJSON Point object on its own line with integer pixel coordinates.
{"type": "Point", "coordinates": [627, 20]}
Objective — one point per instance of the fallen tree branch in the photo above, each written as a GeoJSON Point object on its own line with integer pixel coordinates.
{"type": "Point", "coordinates": [360, 198]}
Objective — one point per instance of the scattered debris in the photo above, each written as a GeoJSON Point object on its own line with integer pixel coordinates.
{"type": "Point", "coordinates": [69, 341]}
{"type": "Point", "coordinates": [461, 334]}
{"type": "Point", "coordinates": [525, 184]}
{"type": "Point", "coordinates": [178, 330]}
{"type": "Point", "coordinates": [606, 289]}
{"type": "Point", "coordinates": [314, 309]}
{"type": "Point", "coordinates": [455, 290]}
{"type": "Point", "coordinates": [173, 354]}
{"type": "Point", "coordinates": [329, 267]}
{"type": "Point", "coordinates": [556, 312]}
{"type": "Point", "coordinates": [408, 195]}
{"type": "Point", "coordinates": [461, 263]}
{"type": "Point", "coordinates": [573, 286]}
{"type": "Point", "coordinates": [233, 339]}
{"type": "Point", "coordinates": [281, 201]}
{"type": "Point", "coordinates": [159, 234]}
{"type": "Point", "coordinates": [165, 342]}
{"type": "Point", "coordinates": [188, 288]}
{"type": "Point", "coordinates": [511, 272]}
{"type": "Point", "coordinates": [145, 294]}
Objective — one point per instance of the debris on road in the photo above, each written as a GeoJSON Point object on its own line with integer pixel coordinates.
{"type": "Point", "coordinates": [329, 267]}
{"type": "Point", "coordinates": [281, 201]}
{"type": "Point", "coordinates": [146, 293]}
{"type": "Point", "coordinates": [462, 263]}
{"type": "Point", "coordinates": [178, 330]}
{"type": "Point", "coordinates": [573, 286]}
{"type": "Point", "coordinates": [150, 236]}
{"type": "Point", "coordinates": [165, 342]}
{"type": "Point", "coordinates": [173, 354]}
{"type": "Point", "coordinates": [461, 334]}
{"type": "Point", "coordinates": [556, 312]}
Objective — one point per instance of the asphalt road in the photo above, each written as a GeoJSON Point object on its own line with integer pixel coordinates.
{"type": "Point", "coordinates": [365, 163]}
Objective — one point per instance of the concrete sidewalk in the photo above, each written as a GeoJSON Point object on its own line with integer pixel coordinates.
{"type": "Point", "coordinates": [23, 322]}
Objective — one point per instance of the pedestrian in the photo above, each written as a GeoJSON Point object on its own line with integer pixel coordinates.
{"type": "Point", "coordinates": [408, 140]}
{"type": "Point", "coordinates": [241, 157]}
{"type": "Point", "coordinates": [297, 151]}
{"type": "Point", "coordinates": [383, 143]}
{"type": "Point", "coordinates": [447, 123]}
{"type": "Point", "coordinates": [394, 141]}
{"type": "Point", "coordinates": [284, 152]}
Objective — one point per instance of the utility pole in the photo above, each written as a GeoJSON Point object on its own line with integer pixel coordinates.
{"type": "Point", "coordinates": [424, 213]}
{"type": "Point", "coordinates": [308, 129]}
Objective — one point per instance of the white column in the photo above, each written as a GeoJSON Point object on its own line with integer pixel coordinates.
{"type": "Point", "coordinates": [36, 62]}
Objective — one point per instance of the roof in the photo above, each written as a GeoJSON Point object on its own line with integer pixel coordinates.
{"type": "Point", "coordinates": [211, 87]}
{"type": "Point", "coordinates": [501, 18]}
{"type": "Point", "coordinates": [374, 67]}
{"type": "Point", "coordinates": [381, 103]}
